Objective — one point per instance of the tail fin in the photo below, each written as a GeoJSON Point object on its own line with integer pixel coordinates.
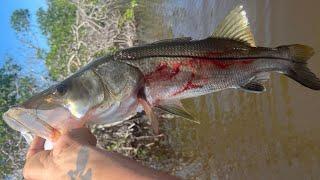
{"type": "Point", "coordinates": [302, 74]}
{"type": "Point", "coordinates": [299, 55]}
{"type": "Point", "coordinates": [297, 52]}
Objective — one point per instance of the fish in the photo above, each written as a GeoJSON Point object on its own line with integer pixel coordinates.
{"type": "Point", "coordinates": [155, 76]}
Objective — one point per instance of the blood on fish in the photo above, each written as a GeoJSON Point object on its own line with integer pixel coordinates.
{"type": "Point", "coordinates": [175, 69]}
{"type": "Point", "coordinates": [161, 67]}
{"type": "Point", "coordinates": [166, 72]}
{"type": "Point", "coordinates": [160, 71]}
{"type": "Point", "coordinates": [222, 64]}
{"type": "Point", "coordinates": [188, 85]}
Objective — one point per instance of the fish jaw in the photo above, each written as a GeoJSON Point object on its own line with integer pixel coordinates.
{"type": "Point", "coordinates": [48, 124]}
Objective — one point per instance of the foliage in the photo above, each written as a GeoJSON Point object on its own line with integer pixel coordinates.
{"type": "Point", "coordinates": [80, 30]}
{"type": "Point", "coordinates": [129, 13]}
{"type": "Point", "coordinates": [20, 20]}
{"type": "Point", "coordinates": [13, 90]}
{"type": "Point", "coordinates": [55, 23]}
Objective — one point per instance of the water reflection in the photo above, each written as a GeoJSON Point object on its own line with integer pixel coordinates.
{"type": "Point", "coordinates": [274, 135]}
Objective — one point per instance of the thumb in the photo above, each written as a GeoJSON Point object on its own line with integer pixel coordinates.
{"type": "Point", "coordinates": [83, 136]}
{"type": "Point", "coordinates": [36, 146]}
{"type": "Point", "coordinates": [74, 138]}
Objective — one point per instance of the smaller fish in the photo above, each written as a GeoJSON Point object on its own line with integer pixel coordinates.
{"type": "Point", "coordinates": [113, 88]}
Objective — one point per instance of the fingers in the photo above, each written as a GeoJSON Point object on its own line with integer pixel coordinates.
{"type": "Point", "coordinates": [36, 166]}
{"type": "Point", "coordinates": [83, 136]}
{"type": "Point", "coordinates": [73, 139]}
{"type": "Point", "coordinates": [36, 146]}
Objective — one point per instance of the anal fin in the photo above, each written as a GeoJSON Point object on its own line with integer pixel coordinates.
{"type": "Point", "coordinates": [176, 109]}
{"type": "Point", "coordinates": [253, 87]}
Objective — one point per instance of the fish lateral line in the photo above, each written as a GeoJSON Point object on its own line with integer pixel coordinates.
{"type": "Point", "coordinates": [222, 64]}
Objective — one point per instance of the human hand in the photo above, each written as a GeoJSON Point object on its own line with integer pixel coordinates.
{"type": "Point", "coordinates": [74, 156]}
{"type": "Point", "coordinates": [67, 159]}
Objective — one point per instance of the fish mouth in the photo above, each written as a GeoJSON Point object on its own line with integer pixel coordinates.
{"type": "Point", "coordinates": [27, 121]}
{"type": "Point", "coordinates": [38, 115]}
{"type": "Point", "coordinates": [48, 124]}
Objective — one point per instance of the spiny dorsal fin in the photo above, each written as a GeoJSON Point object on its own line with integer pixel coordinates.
{"type": "Point", "coordinates": [235, 26]}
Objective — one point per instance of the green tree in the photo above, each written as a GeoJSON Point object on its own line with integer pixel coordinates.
{"type": "Point", "coordinates": [78, 31]}
{"type": "Point", "coordinates": [20, 20]}
{"type": "Point", "coordinates": [56, 23]}
{"type": "Point", "coordinates": [13, 90]}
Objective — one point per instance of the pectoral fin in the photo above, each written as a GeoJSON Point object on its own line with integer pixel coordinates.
{"type": "Point", "coordinates": [149, 112]}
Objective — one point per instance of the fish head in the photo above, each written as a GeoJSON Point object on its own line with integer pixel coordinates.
{"type": "Point", "coordinates": [59, 108]}
{"type": "Point", "coordinates": [82, 93]}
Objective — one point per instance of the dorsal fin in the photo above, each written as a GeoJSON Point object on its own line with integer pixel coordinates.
{"type": "Point", "coordinates": [235, 26]}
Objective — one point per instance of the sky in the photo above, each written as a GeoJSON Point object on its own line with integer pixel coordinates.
{"type": "Point", "coordinates": [9, 43]}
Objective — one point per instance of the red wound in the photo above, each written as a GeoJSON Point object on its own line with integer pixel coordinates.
{"type": "Point", "coordinates": [188, 85]}
{"type": "Point", "coordinates": [175, 69]}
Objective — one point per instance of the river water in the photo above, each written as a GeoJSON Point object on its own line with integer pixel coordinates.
{"type": "Point", "coordinates": [274, 135]}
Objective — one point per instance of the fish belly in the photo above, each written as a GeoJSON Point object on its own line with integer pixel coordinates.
{"type": "Point", "coordinates": [179, 78]}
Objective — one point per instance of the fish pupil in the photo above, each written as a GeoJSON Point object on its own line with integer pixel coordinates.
{"type": "Point", "coordinates": [61, 89]}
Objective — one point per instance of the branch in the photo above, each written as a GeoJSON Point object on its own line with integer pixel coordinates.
{"type": "Point", "coordinates": [69, 63]}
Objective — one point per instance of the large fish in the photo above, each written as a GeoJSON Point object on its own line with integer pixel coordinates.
{"type": "Point", "coordinates": [157, 75]}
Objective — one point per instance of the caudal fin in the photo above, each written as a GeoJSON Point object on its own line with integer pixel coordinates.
{"type": "Point", "coordinates": [299, 55]}
{"type": "Point", "coordinates": [302, 74]}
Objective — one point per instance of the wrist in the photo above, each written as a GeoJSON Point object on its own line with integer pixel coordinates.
{"type": "Point", "coordinates": [72, 162]}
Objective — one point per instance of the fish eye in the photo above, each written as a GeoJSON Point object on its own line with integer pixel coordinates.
{"type": "Point", "coordinates": [61, 89]}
